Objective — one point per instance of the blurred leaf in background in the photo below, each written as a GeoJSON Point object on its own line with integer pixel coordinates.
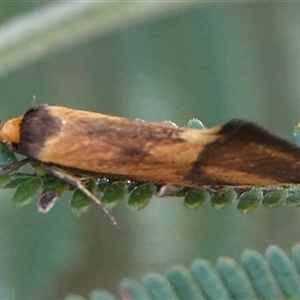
{"type": "Point", "coordinates": [155, 61]}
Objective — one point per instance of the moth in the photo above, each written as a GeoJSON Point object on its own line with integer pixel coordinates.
{"type": "Point", "coordinates": [236, 153]}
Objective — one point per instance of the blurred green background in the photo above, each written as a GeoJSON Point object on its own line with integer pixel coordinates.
{"type": "Point", "coordinates": [212, 61]}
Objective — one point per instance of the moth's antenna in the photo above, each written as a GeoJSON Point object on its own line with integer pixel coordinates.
{"type": "Point", "coordinates": [33, 102]}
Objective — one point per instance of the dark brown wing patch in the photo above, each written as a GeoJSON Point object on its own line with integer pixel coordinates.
{"type": "Point", "coordinates": [37, 125]}
{"type": "Point", "coordinates": [245, 153]}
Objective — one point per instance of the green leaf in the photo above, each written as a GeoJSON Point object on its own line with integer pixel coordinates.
{"type": "Point", "coordinates": [223, 197]}
{"type": "Point", "coordinates": [158, 287]}
{"type": "Point", "coordinates": [133, 289]}
{"type": "Point", "coordinates": [101, 184]}
{"type": "Point", "coordinates": [80, 202]}
{"type": "Point", "coordinates": [296, 256]}
{"type": "Point", "coordinates": [4, 180]}
{"type": "Point", "coordinates": [249, 200]}
{"type": "Point", "coordinates": [195, 198]}
{"type": "Point", "coordinates": [27, 190]}
{"type": "Point", "coordinates": [183, 283]}
{"type": "Point", "coordinates": [293, 196]}
{"type": "Point", "coordinates": [140, 196]}
{"type": "Point", "coordinates": [234, 279]}
{"type": "Point", "coordinates": [114, 193]}
{"type": "Point", "coordinates": [18, 178]}
{"type": "Point", "coordinates": [55, 185]}
{"type": "Point", "coordinates": [195, 123]}
{"type": "Point", "coordinates": [284, 272]}
{"type": "Point", "coordinates": [39, 170]}
{"type": "Point", "coordinates": [275, 198]}
{"type": "Point", "coordinates": [208, 279]}
{"type": "Point", "coordinates": [7, 157]}
{"type": "Point", "coordinates": [101, 295]}
{"type": "Point", "coordinates": [260, 275]}
{"type": "Point", "coordinates": [169, 123]}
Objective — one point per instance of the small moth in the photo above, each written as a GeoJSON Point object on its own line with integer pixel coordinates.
{"type": "Point", "coordinates": [236, 153]}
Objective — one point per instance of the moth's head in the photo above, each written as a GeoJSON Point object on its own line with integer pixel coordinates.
{"type": "Point", "coordinates": [10, 130]}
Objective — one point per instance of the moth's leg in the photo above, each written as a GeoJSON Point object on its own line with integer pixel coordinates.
{"type": "Point", "coordinates": [13, 166]}
{"type": "Point", "coordinates": [75, 182]}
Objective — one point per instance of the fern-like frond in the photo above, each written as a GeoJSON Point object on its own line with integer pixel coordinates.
{"type": "Point", "coordinates": [272, 276]}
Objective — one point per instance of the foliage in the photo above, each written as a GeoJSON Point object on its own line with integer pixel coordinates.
{"type": "Point", "coordinates": [274, 276]}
